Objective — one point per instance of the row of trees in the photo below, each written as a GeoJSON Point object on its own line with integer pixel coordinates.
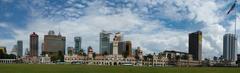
{"type": "Point", "coordinates": [7, 56]}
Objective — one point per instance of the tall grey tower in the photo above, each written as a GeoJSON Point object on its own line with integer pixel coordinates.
{"type": "Point", "coordinates": [20, 48]}
{"type": "Point", "coordinates": [78, 42]}
{"type": "Point", "coordinates": [229, 47]}
{"type": "Point", "coordinates": [104, 42]}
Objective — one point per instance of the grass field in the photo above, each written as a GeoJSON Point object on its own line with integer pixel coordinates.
{"type": "Point", "coordinates": [42, 68]}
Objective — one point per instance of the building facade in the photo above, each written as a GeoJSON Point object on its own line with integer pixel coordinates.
{"type": "Point", "coordinates": [7, 61]}
{"type": "Point", "coordinates": [121, 47]}
{"type": "Point", "coordinates": [104, 42]}
{"type": "Point", "coordinates": [54, 44]}
{"type": "Point", "coordinates": [128, 48]}
{"type": "Point", "coordinates": [116, 40]}
{"type": "Point", "coordinates": [174, 58]}
{"type": "Point", "coordinates": [19, 48]}
{"type": "Point", "coordinates": [195, 45]}
{"type": "Point", "coordinates": [78, 42]}
{"type": "Point", "coordinates": [229, 47]}
{"type": "Point", "coordinates": [70, 51]}
{"type": "Point", "coordinates": [90, 53]}
{"type": "Point", "coordinates": [3, 50]}
{"type": "Point", "coordinates": [33, 44]}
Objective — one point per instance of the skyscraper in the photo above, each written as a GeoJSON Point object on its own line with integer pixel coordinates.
{"type": "Point", "coordinates": [121, 47]}
{"type": "Point", "coordinates": [20, 48]}
{"type": "Point", "coordinates": [78, 42]}
{"type": "Point", "coordinates": [70, 51]}
{"type": "Point", "coordinates": [104, 42]}
{"type": "Point", "coordinates": [42, 50]}
{"type": "Point", "coordinates": [229, 47]}
{"type": "Point", "coordinates": [54, 44]}
{"type": "Point", "coordinates": [33, 44]}
{"type": "Point", "coordinates": [128, 48]}
{"type": "Point", "coordinates": [111, 48]}
{"type": "Point", "coordinates": [195, 45]}
{"type": "Point", "coordinates": [27, 53]}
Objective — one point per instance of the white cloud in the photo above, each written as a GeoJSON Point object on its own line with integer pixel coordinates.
{"type": "Point", "coordinates": [7, 1]}
{"type": "Point", "coordinates": [160, 41]}
{"type": "Point", "coordinates": [1, 44]}
{"type": "Point", "coordinates": [206, 11]}
{"type": "Point", "coordinates": [3, 25]}
{"type": "Point", "coordinates": [7, 43]}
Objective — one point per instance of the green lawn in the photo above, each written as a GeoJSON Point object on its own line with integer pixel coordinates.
{"type": "Point", "coordinates": [42, 68]}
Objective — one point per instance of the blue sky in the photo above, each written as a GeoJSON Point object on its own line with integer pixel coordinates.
{"type": "Point", "coordinates": [154, 25]}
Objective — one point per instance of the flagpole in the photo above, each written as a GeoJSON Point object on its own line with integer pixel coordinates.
{"type": "Point", "coordinates": [236, 36]}
{"type": "Point", "coordinates": [235, 30]}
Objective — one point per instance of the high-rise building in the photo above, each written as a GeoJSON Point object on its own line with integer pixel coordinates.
{"type": "Point", "coordinates": [104, 42]}
{"type": "Point", "coordinates": [70, 51]}
{"type": "Point", "coordinates": [128, 48]}
{"type": "Point", "coordinates": [54, 44]}
{"type": "Point", "coordinates": [111, 48]}
{"type": "Point", "coordinates": [33, 44]}
{"type": "Point", "coordinates": [42, 49]}
{"type": "Point", "coordinates": [121, 47]}
{"type": "Point", "coordinates": [229, 47]}
{"type": "Point", "coordinates": [78, 42]}
{"type": "Point", "coordinates": [27, 52]}
{"type": "Point", "coordinates": [195, 45]}
{"type": "Point", "coordinates": [19, 48]}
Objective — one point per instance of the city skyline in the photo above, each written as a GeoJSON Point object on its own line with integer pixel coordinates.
{"type": "Point", "coordinates": [151, 27]}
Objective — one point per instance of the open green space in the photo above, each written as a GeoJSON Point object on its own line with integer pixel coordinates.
{"type": "Point", "coordinates": [68, 68]}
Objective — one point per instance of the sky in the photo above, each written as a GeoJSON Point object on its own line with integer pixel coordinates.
{"type": "Point", "coordinates": [153, 25]}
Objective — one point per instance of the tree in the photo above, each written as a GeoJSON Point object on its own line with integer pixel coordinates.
{"type": "Point", "coordinates": [150, 56]}
{"type": "Point", "coordinates": [105, 53]}
{"type": "Point", "coordinates": [125, 55]}
{"type": "Point", "coordinates": [60, 56]}
{"type": "Point", "coordinates": [94, 55]}
{"type": "Point", "coordinates": [7, 56]}
{"type": "Point", "coordinates": [54, 59]}
{"type": "Point", "coordinates": [178, 57]}
{"type": "Point", "coordinates": [1, 51]}
{"type": "Point", "coordinates": [44, 53]}
{"type": "Point", "coordinates": [137, 57]}
{"type": "Point", "coordinates": [238, 62]}
{"type": "Point", "coordinates": [12, 56]}
{"type": "Point", "coordinates": [84, 54]}
{"type": "Point", "coordinates": [185, 57]}
{"type": "Point", "coordinates": [81, 52]}
{"type": "Point", "coordinates": [145, 58]}
{"type": "Point", "coordinates": [70, 52]}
